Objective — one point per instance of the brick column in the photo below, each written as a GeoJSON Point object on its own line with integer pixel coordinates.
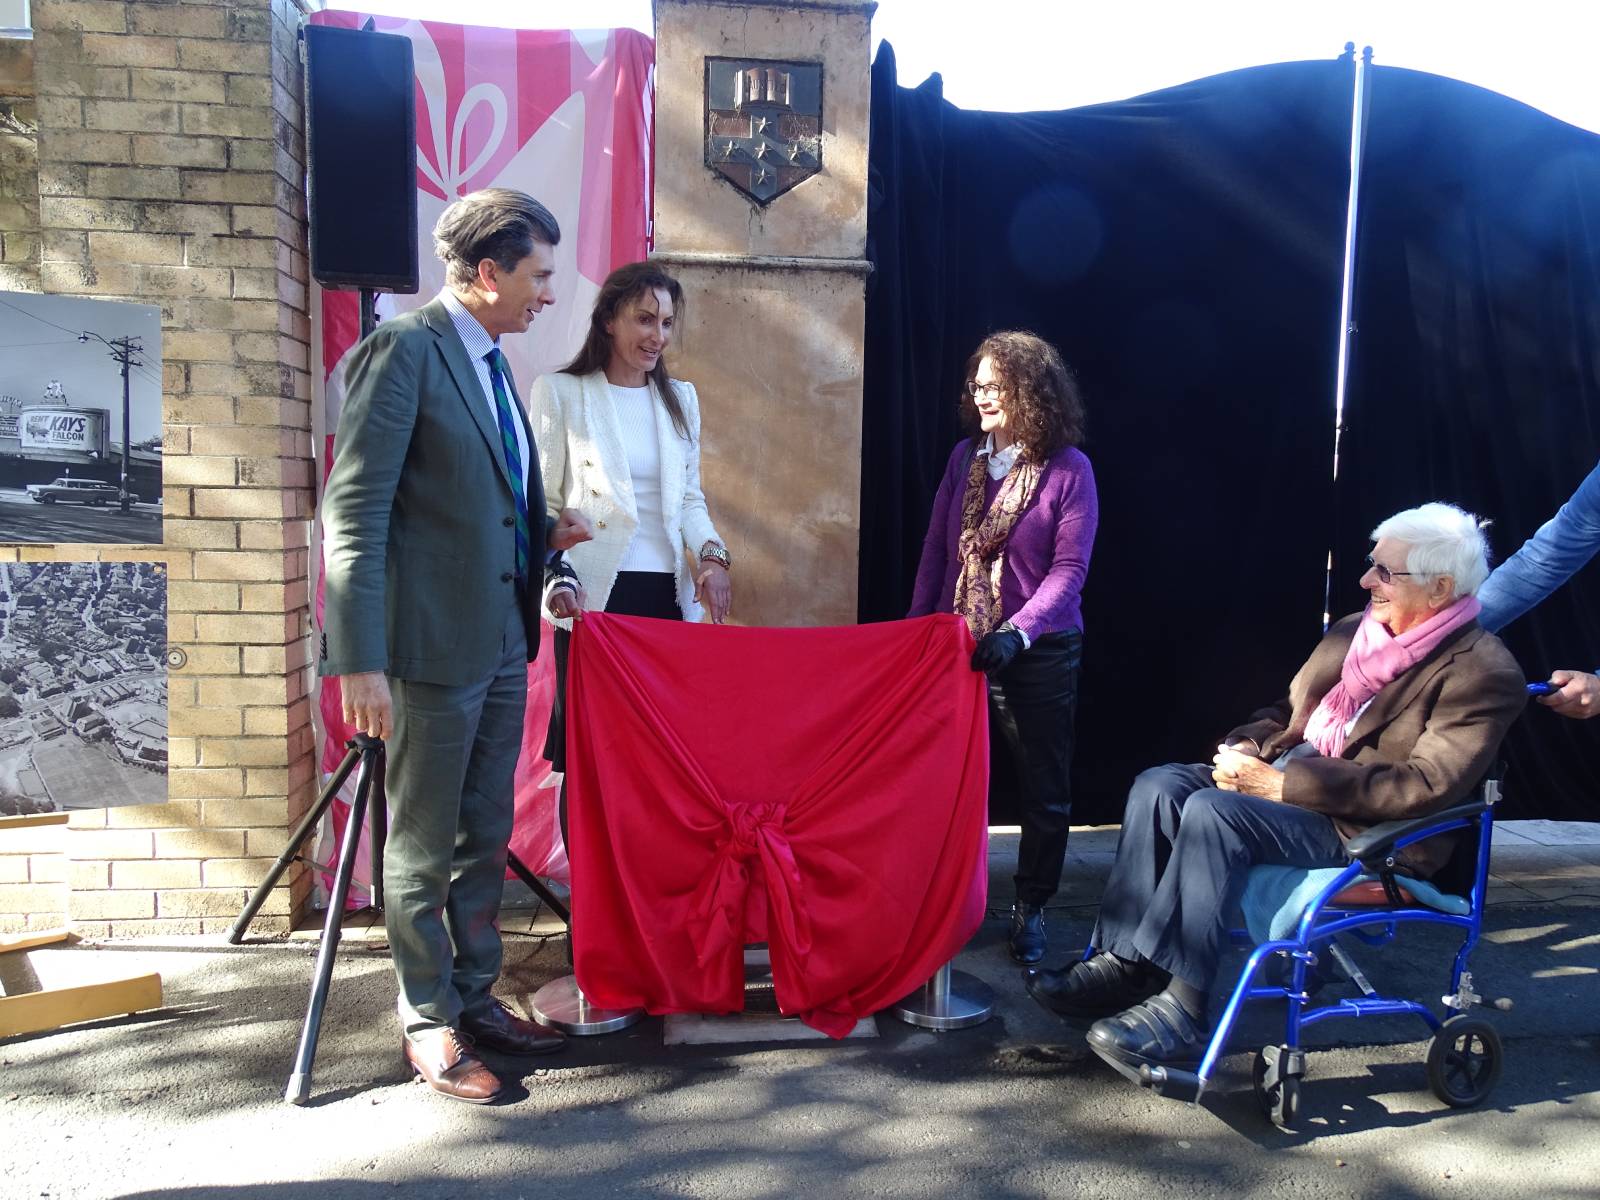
{"type": "Point", "coordinates": [19, 169]}
{"type": "Point", "coordinates": [170, 158]}
{"type": "Point", "coordinates": [33, 889]}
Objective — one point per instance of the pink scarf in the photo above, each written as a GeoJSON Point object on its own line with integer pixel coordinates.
{"type": "Point", "coordinates": [1376, 658]}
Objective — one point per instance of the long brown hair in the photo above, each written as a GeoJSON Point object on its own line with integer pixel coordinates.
{"type": "Point", "coordinates": [621, 287]}
{"type": "Point", "coordinates": [1044, 408]}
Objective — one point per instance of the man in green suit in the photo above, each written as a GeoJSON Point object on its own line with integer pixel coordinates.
{"type": "Point", "coordinates": [437, 547]}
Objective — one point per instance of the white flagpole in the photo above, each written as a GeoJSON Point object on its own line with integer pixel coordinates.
{"type": "Point", "coordinates": [1347, 326]}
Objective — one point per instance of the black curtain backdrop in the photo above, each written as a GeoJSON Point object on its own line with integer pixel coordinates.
{"type": "Point", "coordinates": [1183, 250]}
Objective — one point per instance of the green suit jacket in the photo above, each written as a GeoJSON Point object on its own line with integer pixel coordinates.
{"type": "Point", "coordinates": [418, 520]}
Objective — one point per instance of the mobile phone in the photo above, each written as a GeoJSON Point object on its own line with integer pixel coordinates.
{"type": "Point", "coordinates": [1543, 688]}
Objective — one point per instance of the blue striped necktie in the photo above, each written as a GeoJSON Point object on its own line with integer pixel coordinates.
{"type": "Point", "coordinates": [508, 442]}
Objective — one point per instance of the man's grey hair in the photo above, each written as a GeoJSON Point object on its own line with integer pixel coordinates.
{"type": "Point", "coordinates": [1441, 539]}
{"type": "Point", "coordinates": [497, 223]}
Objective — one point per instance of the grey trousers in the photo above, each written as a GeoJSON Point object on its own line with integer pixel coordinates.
{"type": "Point", "coordinates": [1186, 850]}
{"type": "Point", "coordinates": [451, 763]}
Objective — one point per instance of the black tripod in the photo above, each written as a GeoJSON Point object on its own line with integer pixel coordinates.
{"type": "Point", "coordinates": [368, 751]}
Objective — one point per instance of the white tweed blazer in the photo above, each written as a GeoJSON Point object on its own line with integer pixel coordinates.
{"type": "Point", "coordinates": [585, 466]}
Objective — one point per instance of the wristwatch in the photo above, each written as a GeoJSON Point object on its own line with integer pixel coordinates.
{"type": "Point", "coordinates": [714, 552]}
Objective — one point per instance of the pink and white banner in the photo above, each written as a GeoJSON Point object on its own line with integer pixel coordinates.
{"type": "Point", "coordinates": [567, 116]}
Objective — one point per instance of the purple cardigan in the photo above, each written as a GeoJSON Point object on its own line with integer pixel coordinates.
{"type": "Point", "coordinates": [1047, 555]}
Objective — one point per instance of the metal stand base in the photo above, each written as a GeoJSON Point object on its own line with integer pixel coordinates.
{"type": "Point", "coordinates": [950, 1000]}
{"type": "Point", "coordinates": [560, 1005]}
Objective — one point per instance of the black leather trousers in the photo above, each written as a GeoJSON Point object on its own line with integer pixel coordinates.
{"type": "Point", "coordinates": [1033, 705]}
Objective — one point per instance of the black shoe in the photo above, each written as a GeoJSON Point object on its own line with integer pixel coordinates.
{"type": "Point", "coordinates": [494, 1025]}
{"type": "Point", "coordinates": [1156, 1033]}
{"type": "Point", "coordinates": [1095, 987]}
{"type": "Point", "coordinates": [1027, 932]}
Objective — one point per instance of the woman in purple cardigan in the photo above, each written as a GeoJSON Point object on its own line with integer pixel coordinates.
{"type": "Point", "coordinates": [1008, 549]}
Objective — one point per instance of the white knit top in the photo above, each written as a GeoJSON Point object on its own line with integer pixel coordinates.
{"type": "Point", "coordinates": [637, 414]}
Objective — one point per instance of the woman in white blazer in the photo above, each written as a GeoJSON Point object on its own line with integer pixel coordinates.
{"type": "Point", "coordinates": [620, 442]}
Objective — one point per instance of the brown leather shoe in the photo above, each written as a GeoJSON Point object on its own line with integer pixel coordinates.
{"type": "Point", "coordinates": [498, 1028]}
{"type": "Point", "coordinates": [445, 1061]}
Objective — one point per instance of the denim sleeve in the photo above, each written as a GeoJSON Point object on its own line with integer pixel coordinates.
{"type": "Point", "coordinates": [1547, 560]}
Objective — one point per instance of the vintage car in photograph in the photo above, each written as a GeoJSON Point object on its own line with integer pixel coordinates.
{"type": "Point", "coordinates": [77, 491]}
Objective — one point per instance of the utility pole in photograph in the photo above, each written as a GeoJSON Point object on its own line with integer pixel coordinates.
{"type": "Point", "coordinates": [124, 350]}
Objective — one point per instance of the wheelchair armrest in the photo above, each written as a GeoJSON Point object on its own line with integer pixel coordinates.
{"type": "Point", "coordinates": [1371, 846]}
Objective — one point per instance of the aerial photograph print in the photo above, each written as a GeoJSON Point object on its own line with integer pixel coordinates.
{"type": "Point", "coordinates": [83, 686]}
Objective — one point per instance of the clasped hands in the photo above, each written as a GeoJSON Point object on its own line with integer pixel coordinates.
{"type": "Point", "coordinates": [1235, 770]}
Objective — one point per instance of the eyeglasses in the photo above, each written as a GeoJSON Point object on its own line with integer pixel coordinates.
{"type": "Point", "coordinates": [1384, 574]}
{"type": "Point", "coordinates": [984, 391]}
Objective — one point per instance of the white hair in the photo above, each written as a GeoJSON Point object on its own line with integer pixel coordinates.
{"type": "Point", "coordinates": [1441, 539]}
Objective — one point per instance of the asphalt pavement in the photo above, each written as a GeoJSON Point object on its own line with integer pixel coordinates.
{"type": "Point", "coordinates": [24, 520]}
{"type": "Point", "coordinates": [186, 1102]}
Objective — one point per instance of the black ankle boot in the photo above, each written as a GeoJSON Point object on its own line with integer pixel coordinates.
{"type": "Point", "coordinates": [1027, 932]}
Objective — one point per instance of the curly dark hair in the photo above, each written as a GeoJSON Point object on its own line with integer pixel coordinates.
{"type": "Point", "coordinates": [1044, 407]}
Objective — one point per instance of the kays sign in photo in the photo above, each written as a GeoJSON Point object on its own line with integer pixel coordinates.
{"type": "Point", "coordinates": [82, 430]}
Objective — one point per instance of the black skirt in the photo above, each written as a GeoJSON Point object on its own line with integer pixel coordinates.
{"type": "Point", "coordinates": [635, 594]}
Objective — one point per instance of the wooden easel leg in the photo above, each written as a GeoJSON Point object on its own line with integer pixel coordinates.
{"type": "Point", "coordinates": [35, 1012]}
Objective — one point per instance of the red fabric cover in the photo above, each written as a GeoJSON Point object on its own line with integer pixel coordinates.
{"type": "Point", "coordinates": [822, 789]}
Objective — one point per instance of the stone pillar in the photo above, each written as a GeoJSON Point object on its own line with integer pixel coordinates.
{"type": "Point", "coordinates": [170, 162]}
{"type": "Point", "coordinates": [776, 304]}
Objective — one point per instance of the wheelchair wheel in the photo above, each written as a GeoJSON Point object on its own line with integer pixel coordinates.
{"type": "Point", "coordinates": [1281, 1101]}
{"type": "Point", "coordinates": [1464, 1061]}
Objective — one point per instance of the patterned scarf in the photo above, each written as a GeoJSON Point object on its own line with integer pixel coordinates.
{"type": "Point", "coordinates": [983, 539]}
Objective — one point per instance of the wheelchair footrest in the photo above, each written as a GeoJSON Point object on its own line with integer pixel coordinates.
{"type": "Point", "coordinates": [1170, 1081]}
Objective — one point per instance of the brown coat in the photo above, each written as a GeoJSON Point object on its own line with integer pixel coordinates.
{"type": "Point", "coordinates": [1421, 745]}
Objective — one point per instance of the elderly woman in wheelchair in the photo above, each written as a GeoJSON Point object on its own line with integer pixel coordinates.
{"type": "Point", "coordinates": [1397, 715]}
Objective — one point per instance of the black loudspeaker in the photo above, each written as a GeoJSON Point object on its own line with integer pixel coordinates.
{"type": "Point", "coordinates": [361, 159]}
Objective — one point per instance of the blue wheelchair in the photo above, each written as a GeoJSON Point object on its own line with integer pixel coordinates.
{"type": "Point", "coordinates": [1368, 900]}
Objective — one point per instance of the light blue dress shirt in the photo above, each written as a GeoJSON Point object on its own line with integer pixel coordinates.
{"type": "Point", "coordinates": [478, 343]}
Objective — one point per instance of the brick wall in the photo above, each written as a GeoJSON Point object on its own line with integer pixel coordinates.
{"type": "Point", "coordinates": [170, 157]}
{"type": "Point", "coordinates": [33, 878]}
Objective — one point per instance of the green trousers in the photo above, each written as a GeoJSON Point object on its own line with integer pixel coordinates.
{"type": "Point", "coordinates": [450, 767]}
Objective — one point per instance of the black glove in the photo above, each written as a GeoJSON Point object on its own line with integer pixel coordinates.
{"type": "Point", "coordinates": [996, 650]}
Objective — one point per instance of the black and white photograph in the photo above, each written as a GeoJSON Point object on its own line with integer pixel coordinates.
{"type": "Point", "coordinates": [83, 686]}
{"type": "Point", "coordinates": [80, 420]}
